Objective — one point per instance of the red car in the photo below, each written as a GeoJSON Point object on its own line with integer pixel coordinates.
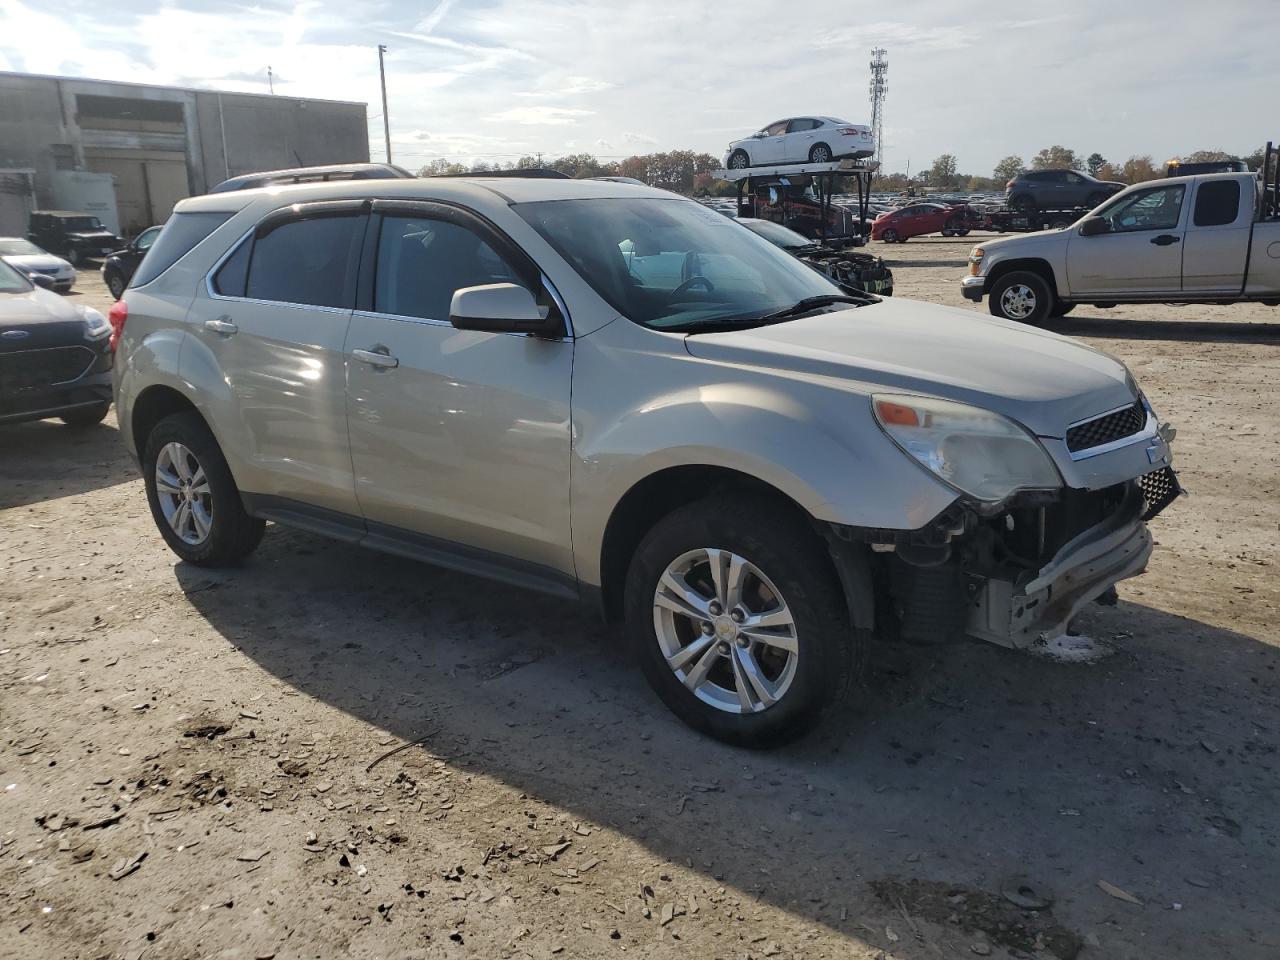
{"type": "Point", "coordinates": [918, 219]}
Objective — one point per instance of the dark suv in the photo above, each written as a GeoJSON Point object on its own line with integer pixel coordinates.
{"type": "Point", "coordinates": [75, 236]}
{"type": "Point", "coordinates": [119, 267]}
{"type": "Point", "coordinates": [1057, 190]}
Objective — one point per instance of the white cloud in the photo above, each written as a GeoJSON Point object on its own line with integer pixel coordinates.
{"type": "Point", "coordinates": [552, 116]}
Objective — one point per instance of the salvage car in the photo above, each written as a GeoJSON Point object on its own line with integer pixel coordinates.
{"type": "Point", "coordinates": [1213, 238]}
{"type": "Point", "coordinates": [30, 259]}
{"type": "Point", "coordinates": [843, 264]}
{"type": "Point", "coordinates": [76, 236]}
{"type": "Point", "coordinates": [55, 357]}
{"type": "Point", "coordinates": [1036, 190]}
{"type": "Point", "coordinates": [762, 469]}
{"type": "Point", "coordinates": [920, 219]}
{"type": "Point", "coordinates": [796, 206]}
{"type": "Point", "coordinates": [801, 140]}
{"type": "Point", "coordinates": [119, 266]}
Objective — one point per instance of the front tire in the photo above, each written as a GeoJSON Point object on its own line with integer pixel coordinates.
{"type": "Point", "coordinates": [739, 160]}
{"type": "Point", "coordinates": [1022, 296]}
{"type": "Point", "coordinates": [86, 416]}
{"type": "Point", "coordinates": [193, 497]}
{"type": "Point", "coordinates": [889, 235]}
{"type": "Point", "coordinates": [738, 620]}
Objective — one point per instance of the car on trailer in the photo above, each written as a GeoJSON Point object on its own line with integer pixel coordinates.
{"type": "Point", "coordinates": [811, 139]}
{"type": "Point", "coordinates": [1037, 190]}
{"type": "Point", "coordinates": [802, 197]}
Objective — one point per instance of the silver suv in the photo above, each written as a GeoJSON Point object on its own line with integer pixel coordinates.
{"type": "Point", "coordinates": [610, 393]}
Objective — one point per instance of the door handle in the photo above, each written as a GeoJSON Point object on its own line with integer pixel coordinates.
{"type": "Point", "coordinates": [222, 325]}
{"type": "Point", "coordinates": [376, 359]}
{"type": "Point", "coordinates": [1165, 239]}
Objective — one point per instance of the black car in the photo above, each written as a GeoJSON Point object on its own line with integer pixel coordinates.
{"type": "Point", "coordinates": [55, 356]}
{"type": "Point", "coordinates": [119, 267]}
{"type": "Point", "coordinates": [1035, 190]}
{"type": "Point", "coordinates": [75, 236]}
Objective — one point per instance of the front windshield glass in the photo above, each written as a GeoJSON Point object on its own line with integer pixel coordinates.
{"type": "Point", "coordinates": [75, 224]}
{"type": "Point", "coordinates": [673, 264]}
{"type": "Point", "coordinates": [11, 281]}
{"type": "Point", "coordinates": [778, 235]}
{"type": "Point", "coordinates": [18, 248]}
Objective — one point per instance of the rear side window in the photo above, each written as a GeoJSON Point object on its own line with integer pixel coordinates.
{"type": "Point", "coordinates": [310, 262]}
{"type": "Point", "coordinates": [179, 236]}
{"type": "Point", "coordinates": [1217, 203]}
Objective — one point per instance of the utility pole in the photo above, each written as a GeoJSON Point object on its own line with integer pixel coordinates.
{"type": "Point", "coordinates": [271, 83]}
{"type": "Point", "coordinates": [386, 119]}
{"type": "Point", "coordinates": [877, 88]}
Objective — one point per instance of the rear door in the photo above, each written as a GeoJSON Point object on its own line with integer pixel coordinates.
{"type": "Point", "coordinates": [1141, 254]}
{"type": "Point", "coordinates": [273, 320]}
{"type": "Point", "coordinates": [1216, 245]}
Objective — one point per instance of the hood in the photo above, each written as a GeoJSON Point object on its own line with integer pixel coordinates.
{"type": "Point", "coordinates": [1020, 239]}
{"type": "Point", "coordinates": [35, 307]}
{"type": "Point", "coordinates": [1040, 379]}
{"type": "Point", "coordinates": [37, 261]}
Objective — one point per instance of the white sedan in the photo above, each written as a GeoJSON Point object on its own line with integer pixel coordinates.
{"type": "Point", "coordinates": [27, 257]}
{"type": "Point", "coordinates": [801, 140]}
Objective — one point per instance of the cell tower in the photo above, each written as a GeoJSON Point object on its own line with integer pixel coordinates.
{"type": "Point", "coordinates": [879, 68]}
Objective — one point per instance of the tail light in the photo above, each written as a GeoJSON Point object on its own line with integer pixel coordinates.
{"type": "Point", "coordinates": [1009, 185]}
{"type": "Point", "coordinates": [853, 132]}
{"type": "Point", "coordinates": [116, 316]}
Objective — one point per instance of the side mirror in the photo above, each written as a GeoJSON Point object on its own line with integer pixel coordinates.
{"type": "Point", "coordinates": [40, 280]}
{"type": "Point", "coordinates": [500, 308]}
{"type": "Point", "coordinates": [1094, 226]}
{"type": "Point", "coordinates": [758, 135]}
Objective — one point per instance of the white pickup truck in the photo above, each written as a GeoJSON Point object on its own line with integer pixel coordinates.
{"type": "Point", "coordinates": [1213, 238]}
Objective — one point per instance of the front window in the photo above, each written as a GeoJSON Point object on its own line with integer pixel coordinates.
{"type": "Point", "coordinates": [18, 248]}
{"type": "Point", "coordinates": [775, 129]}
{"type": "Point", "coordinates": [1159, 208]}
{"type": "Point", "coordinates": [11, 281]}
{"type": "Point", "coordinates": [673, 264]}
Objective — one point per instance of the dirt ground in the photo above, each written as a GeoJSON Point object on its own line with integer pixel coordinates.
{"type": "Point", "coordinates": [194, 763]}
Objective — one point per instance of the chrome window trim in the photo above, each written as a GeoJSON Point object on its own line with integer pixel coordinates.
{"type": "Point", "coordinates": [1149, 430]}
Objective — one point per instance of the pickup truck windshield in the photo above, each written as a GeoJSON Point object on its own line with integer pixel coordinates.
{"type": "Point", "coordinates": [674, 264]}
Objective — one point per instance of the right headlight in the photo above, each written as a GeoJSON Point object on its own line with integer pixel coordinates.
{"type": "Point", "coordinates": [979, 452]}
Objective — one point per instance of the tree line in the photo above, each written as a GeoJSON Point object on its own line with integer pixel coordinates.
{"type": "Point", "coordinates": [690, 173]}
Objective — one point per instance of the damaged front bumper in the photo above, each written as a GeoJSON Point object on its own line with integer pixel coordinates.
{"type": "Point", "coordinates": [1040, 605]}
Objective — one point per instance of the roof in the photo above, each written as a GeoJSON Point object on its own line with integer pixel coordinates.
{"type": "Point", "coordinates": [161, 86]}
{"type": "Point", "coordinates": [510, 189]}
{"type": "Point", "coordinates": [63, 213]}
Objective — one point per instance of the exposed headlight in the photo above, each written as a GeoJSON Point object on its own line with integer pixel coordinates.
{"type": "Point", "coordinates": [98, 325]}
{"type": "Point", "coordinates": [978, 452]}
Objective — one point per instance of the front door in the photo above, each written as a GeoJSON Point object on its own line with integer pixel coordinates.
{"type": "Point", "coordinates": [1140, 254]}
{"type": "Point", "coordinates": [772, 146]}
{"type": "Point", "coordinates": [459, 439]}
{"type": "Point", "coordinates": [271, 326]}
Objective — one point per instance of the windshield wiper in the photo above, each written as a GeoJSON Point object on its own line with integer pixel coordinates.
{"type": "Point", "coordinates": [813, 303]}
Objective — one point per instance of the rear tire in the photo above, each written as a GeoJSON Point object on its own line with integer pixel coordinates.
{"type": "Point", "coordinates": [86, 416]}
{"type": "Point", "coordinates": [115, 284]}
{"type": "Point", "coordinates": [182, 447]}
{"type": "Point", "coordinates": [819, 153]}
{"type": "Point", "coordinates": [811, 651]}
{"type": "Point", "coordinates": [1022, 296]}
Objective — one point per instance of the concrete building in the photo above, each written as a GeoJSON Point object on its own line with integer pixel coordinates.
{"type": "Point", "coordinates": [91, 145]}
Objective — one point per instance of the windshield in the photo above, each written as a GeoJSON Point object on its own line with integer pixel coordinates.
{"type": "Point", "coordinates": [11, 281]}
{"type": "Point", "coordinates": [18, 248]}
{"type": "Point", "coordinates": [777, 234]}
{"type": "Point", "coordinates": [673, 264]}
{"type": "Point", "coordinates": [73, 224]}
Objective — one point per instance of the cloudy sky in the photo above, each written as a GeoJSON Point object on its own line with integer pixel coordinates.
{"type": "Point", "coordinates": [494, 79]}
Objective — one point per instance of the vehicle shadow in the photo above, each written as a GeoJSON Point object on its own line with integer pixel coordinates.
{"type": "Point", "coordinates": [46, 460]}
{"type": "Point", "coordinates": [1153, 770]}
{"type": "Point", "coordinates": [1224, 331]}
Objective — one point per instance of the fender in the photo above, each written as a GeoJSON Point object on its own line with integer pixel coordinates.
{"type": "Point", "coordinates": [817, 442]}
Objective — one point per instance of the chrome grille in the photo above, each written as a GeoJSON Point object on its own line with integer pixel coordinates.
{"type": "Point", "coordinates": [1107, 428]}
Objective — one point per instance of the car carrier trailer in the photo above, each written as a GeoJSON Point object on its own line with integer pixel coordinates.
{"type": "Point", "coordinates": [781, 193]}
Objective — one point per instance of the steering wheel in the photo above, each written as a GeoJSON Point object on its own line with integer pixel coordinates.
{"type": "Point", "coordinates": [689, 285]}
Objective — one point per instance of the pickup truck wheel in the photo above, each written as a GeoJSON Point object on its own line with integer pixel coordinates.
{"type": "Point", "coordinates": [1022, 296]}
{"type": "Point", "coordinates": [194, 500]}
{"type": "Point", "coordinates": [739, 160]}
{"type": "Point", "coordinates": [1061, 309]}
{"type": "Point", "coordinates": [739, 622]}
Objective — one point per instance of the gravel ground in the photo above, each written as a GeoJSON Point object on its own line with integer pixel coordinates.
{"type": "Point", "coordinates": [195, 763]}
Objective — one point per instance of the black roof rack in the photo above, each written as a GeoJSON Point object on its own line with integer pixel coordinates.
{"type": "Point", "coordinates": [526, 173]}
{"type": "Point", "coordinates": [338, 171]}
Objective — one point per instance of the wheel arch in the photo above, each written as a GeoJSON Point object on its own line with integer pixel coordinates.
{"type": "Point", "coordinates": [1037, 265]}
{"type": "Point", "coordinates": [822, 143]}
{"type": "Point", "coordinates": [658, 494]}
{"type": "Point", "coordinates": [151, 406]}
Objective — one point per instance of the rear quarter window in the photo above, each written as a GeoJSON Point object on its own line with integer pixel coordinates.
{"type": "Point", "coordinates": [178, 238]}
{"type": "Point", "coordinates": [1217, 203]}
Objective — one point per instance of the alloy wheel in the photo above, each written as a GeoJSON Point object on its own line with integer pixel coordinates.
{"type": "Point", "coordinates": [1018, 301]}
{"type": "Point", "coordinates": [726, 631]}
{"type": "Point", "coordinates": [183, 491]}
{"type": "Point", "coordinates": [738, 161]}
{"type": "Point", "coordinates": [820, 155]}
